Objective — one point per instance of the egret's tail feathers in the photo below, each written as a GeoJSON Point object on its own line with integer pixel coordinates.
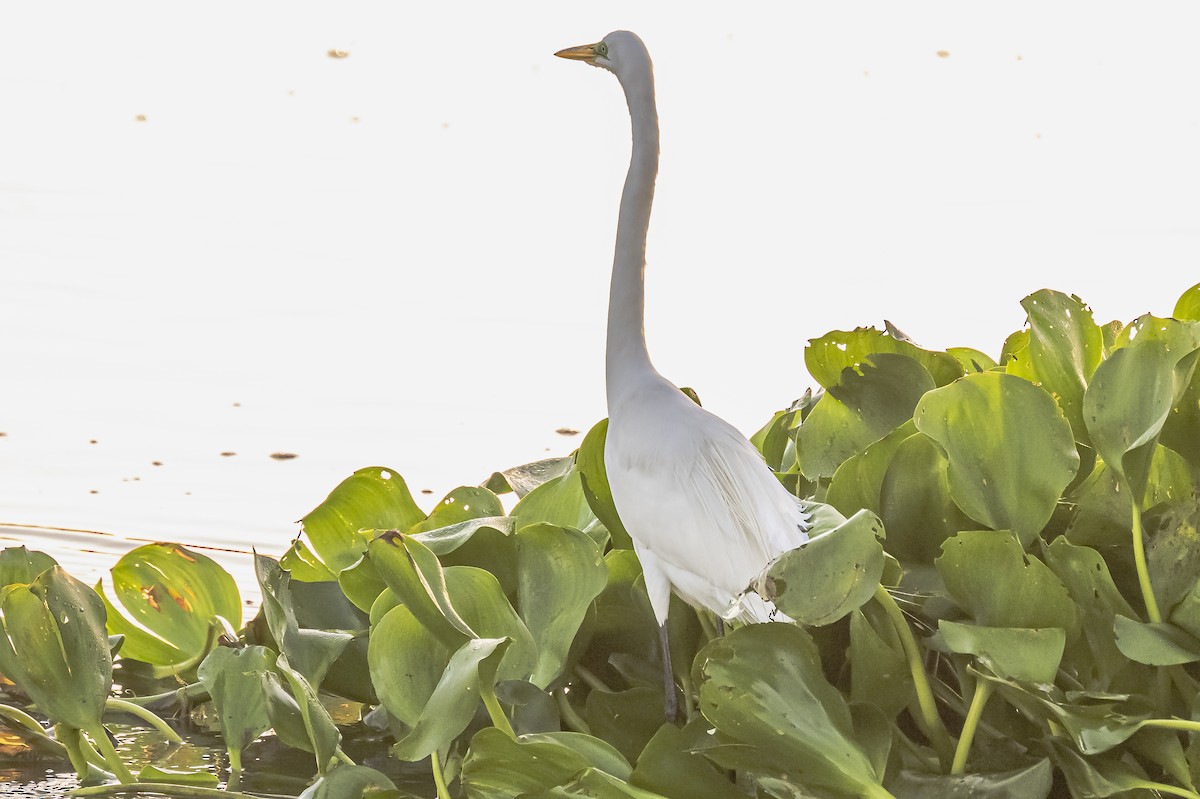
{"type": "Point", "coordinates": [750, 608]}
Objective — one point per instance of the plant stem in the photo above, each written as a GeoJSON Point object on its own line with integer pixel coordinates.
{"type": "Point", "coordinates": [495, 712]}
{"type": "Point", "coordinates": [121, 706]}
{"type": "Point", "coordinates": [1143, 573]}
{"type": "Point", "coordinates": [569, 716]}
{"type": "Point", "coordinates": [593, 682]}
{"type": "Point", "coordinates": [1172, 724]}
{"type": "Point", "coordinates": [439, 779]}
{"type": "Point", "coordinates": [983, 690]}
{"type": "Point", "coordinates": [928, 719]}
{"type": "Point", "coordinates": [69, 737]}
{"type": "Point", "coordinates": [111, 758]}
{"type": "Point", "coordinates": [342, 757]}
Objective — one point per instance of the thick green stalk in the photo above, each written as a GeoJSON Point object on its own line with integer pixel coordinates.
{"type": "Point", "coordinates": [495, 712]}
{"type": "Point", "coordinates": [928, 719]}
{"type": "Point", "coordinates": [70, 738]}
{"type": "Point", "coordinates": [439, 779]}
{"type": "Point", "coordinates": [121, 706]}
{"type": "Point", "coordinates": [1143, 573]}
{"type": "Point", "coordinates": [983, 690]}
{"type": "Point", "coordinates": [169, 789]}
{"type": "Point", "coordinates": [106, 748]}
{"type": "Point", "coordinates": [572, 719]}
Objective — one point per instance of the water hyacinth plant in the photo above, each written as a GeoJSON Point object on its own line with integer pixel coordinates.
{"type": "Point", "coordinates": [1001, 598]}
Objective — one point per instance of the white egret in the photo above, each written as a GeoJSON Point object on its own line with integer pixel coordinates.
{"type": "Point", "coordinates": [705, 513]}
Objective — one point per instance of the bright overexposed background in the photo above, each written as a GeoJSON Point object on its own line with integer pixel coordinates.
{"type": "Point", "coordinates": [217, 238]}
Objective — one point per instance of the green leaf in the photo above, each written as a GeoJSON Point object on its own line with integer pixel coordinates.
{"type": "Point", "coordinates": [1065, 347]}
{"type": "Point", "coordinates": [624, 620]}
{"type": "Point", "coordinates": [1030, 782]}
{"type": "Point", "coordinates": [21, 565]}
{"type": "Point", "coordinates": [370, 499]}
{"type": "Point", "coordinates": [309, 651]}
{"type": "Point", "coordinates": [526, 477]}
{"type": "Point", "coordinates": [1090, 584]}
{"type": "Point", "coordinates": [1020, 653]}
{"type": "Point", "coordinates": [1188, 306]}
{"type": "Point", "coordinates": [975, 421]}
{"type": "Point", "coordinates": [200, 779]}
{"type": "Point", "coordinates": [596, 784]}
{"type": "Point", "coordinates": [453, 703]}
{"type": "Point", "coordinates": [763, 685]}
{"type": "Point", "coordinates": [627, 719]}
{"type": "Point", "coordinates": [1093, 778]}
{"type": "Point", "coordinates": [406, 662]}
{"type": "Point", "coordinates": [417, 578]}
{"type": "Point", "coordinates": [915, 504]}
{"type": "Point", "coordinates": [497, 767]}
{"type": "Point", "coordinates": [879, 671]}
{"type": "Point", "coordinates": [972, 360]}
{"type": "Point", "coordinates": [1173, 557]}
{"type": "Point", "coordinates": [303, 564]}
{"type": "Point", "coordinates": [462, 504]}
{"type": "Point", "coordinates": [164, 599]}
{"type": "Point", "coordinates": [869, 402]}
{"type": "Point", "coordinates": [321, 736]}
{"type": "Point", "coordinates": [857, 483]}
{"type": "Point", "coordinates": [233, 679]}
{"type": "Point", "coordinates": [1134, 390]}
{"type": "Point", "coordinates": [1161, 644]}
{"type": "Point", "coordinates": [594, 482]}
{"type": "Point", "coordinates": [831, 574]}
{"type": "Point", "coordinates": [826, 357]}
{"type": "Point", "coordinates": [348, 782]}
{"type": "Point", "coordinates": [560, 501]}
{"type": "Point", "coordinates": [481, 603]}
{"type": "Point", "coordinates": [992, 578]}
{"type": "Point", "coordinates": [53, 645]}
{"type": "Point", "coordinates": [559, 572]}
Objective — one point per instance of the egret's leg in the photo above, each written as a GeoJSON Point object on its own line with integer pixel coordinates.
{"type": "Point", "coordinates": [670, 704]}
{"type": "Point", "coordinates": [720, 627]}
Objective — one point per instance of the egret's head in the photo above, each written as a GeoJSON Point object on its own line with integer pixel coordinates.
{"type": "Point", "coordinates": [619, 52]}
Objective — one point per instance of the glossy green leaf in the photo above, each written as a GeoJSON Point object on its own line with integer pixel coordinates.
{"type": "Point", "coordinates": [826, 357]}
{"type": "Point", "coordinates": [972, 360]}
{"type": "Point", "coordinates": [453, 703]}
{"type": "Point", "coordinates": [593, 783]}
{"type": "Point", "coordinates": [763, 685]}
{"type": "Point", "coordinates": [370, 499]}
{"type": "Point", "coordinates": [349, 782]}
{"type": "Point", "coordinates": [406, 662]}
{"type": "Point", "coordinates": [233, 678]}
{"type": "Point", "coordinates": [481, 603]}
{"type": "Point", "coordinates": [21, 565]}
{"type": "Point", "coordinates": [460, 505]}
{"type": "Point", "coordinates": [624, 620]}
{"type": "Point", "coordinates": [1173, 556]}
{"type": "Point", "coordinates": [526, 477]}
{"type": "Point", "coordinates": [320, 734]}
{"type": "Point", "coordinates": [831, 574]}
{"type": "Point", "coordinates": [857, 483]}
{"type": "Point", "coordinates": [879, 671]}
{"type": "Point", "coordinates": [1090, 584]}
{"type": "Point", "coordinates": [413, 572]}
{"type": "Point", "coordinates": [497, 767]}
{"type": "Point", "coordinates": [309, 651]}
{"type": "Point", "coordinates": [1094, 778]}
{"type": "Point", "coordinates": [303, 564]}
{"type": "Point", "coordinates": [1017, 652]}
{"type": "Point", "coordinates": [198, 779]}
{"type": "Point", "coordinates": [560, 501]}
{"type": "Point", "coordinates": [594, 483]}
{"type": "Point", "coordinates": [1161, 644]}
{"type": "Point", "coordinates": [627, 720]}
{"type": "Point", "coordinates": [1134, 390]}
{"type": "Point", "coordinates": [915, 504]}
{"type": "Point", "coordinates": [1030, 782]}
{"type": "Point", "coordinates": [992, 578]}
{"type": "Point", "coordinates": [53, 645]}
{"type": "Point", "coordinates": [1188, 306]}
{"type": "Point", "coordinates": [164, 598]}
{"type": "Point", "coordinates": [975, 421]}
{"type": "Point", "coordinates": [869, 402]}
{"type": "Point", "coordinates": [560, 571]}
{"type": "Point", "coordinates": [1065, 347]}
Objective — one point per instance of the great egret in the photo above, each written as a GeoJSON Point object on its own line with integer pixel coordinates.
{"type": "Point", "coordinates": [705, 513]}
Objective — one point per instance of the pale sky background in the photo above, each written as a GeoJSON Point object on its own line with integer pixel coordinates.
{"type": "Point", "coordinates": [401, 257]}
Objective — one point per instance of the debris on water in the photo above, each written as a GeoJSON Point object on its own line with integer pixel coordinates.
{"type": "Point", "coordinates": [283, 456]}
{"type": "Point", "coordinates": [228, 454]}
{"type": "Point", "coordinates": [336, 53]}
{"type": "Point", "coordinates": [567, 431]}
{"type": "Point", "coordinates": [156, 463]}
{"type": "Point", "coordinates": [943, 53]}
{"type": "Point", "coordinates": [140, 118]}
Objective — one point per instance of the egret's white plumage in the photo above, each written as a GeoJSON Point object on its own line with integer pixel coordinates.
{"type": "Point", "coordinates": [705, 513]}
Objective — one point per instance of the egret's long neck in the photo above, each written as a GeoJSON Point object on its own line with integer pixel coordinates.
{"type": "Point", "coordinates": [627, 359]}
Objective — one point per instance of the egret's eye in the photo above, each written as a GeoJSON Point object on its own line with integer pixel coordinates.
{"type": "Point", "coordinates": [601, 49]}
